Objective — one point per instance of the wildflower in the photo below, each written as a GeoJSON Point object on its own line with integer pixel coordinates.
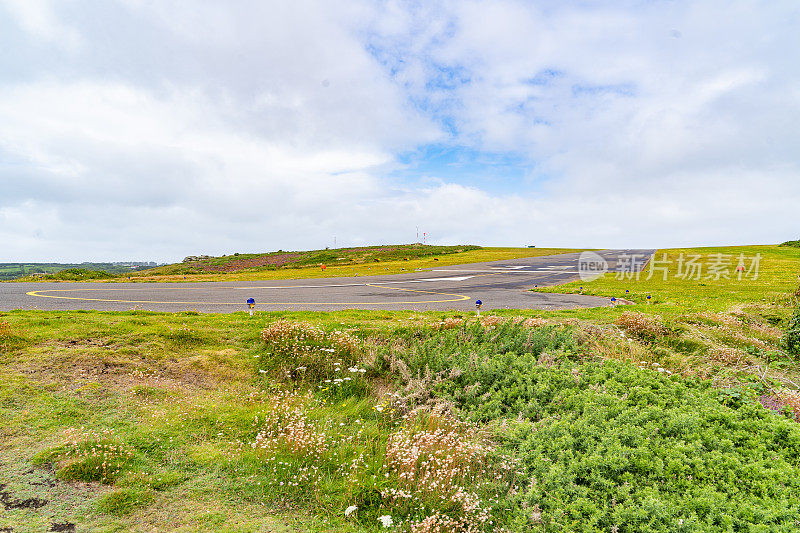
{"type": "Point", "coordinates": [350, 510]}
{"type": "Point", "coordinates": [386, 520]}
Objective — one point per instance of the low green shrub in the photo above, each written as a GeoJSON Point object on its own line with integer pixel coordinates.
{"type": "Point", "coordinates": [78, 274]}
{"type": "Point", "coordinates": [485, 369]}
{"type": "Point", "coordinates": [791, 335]}
{"type": "Point", "coordinates": [123, 502]}
{"type": "Point", "coordinates": [618, 448]}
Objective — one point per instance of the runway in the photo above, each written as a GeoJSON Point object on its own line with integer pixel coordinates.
{"type": "Point", "coordinates": [498, 284]}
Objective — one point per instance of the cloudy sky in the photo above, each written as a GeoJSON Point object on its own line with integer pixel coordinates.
{"type": "Point", "coordinates": [152, 130]}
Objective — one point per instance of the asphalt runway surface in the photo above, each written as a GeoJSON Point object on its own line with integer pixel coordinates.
{"type": "Point", "coordinates": [498, 284]}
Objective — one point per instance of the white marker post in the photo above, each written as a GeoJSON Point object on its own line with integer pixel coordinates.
{"type": "Point", "coordinates": [251, 303]}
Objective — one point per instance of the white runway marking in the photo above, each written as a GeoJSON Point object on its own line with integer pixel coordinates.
{"type": "Point", "coordinates": [511, 271]}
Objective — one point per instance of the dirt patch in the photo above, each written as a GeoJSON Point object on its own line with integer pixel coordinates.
{"type": "Point", "coordinates": [74, 343]}
{"type": "Point", "coordinates": [10, 502]}
{"type": "Point", "coordinates": [67, 527]}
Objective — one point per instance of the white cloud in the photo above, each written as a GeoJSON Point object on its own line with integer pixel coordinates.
{"type": "Point", "coordinates": [39, 19]}
{"type": "Point", "coordinates": [212, 128]}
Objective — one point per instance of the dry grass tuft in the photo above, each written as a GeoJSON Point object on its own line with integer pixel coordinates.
{"type": "Point", "coordinates": [726, 355]}
{"type": "Point", "coordinates": [644, 326]}
{"type": "Point", "coordinates": [610, 343]}
{"type": "Point", "coordinates": [449, 323]}
{"type": "Point", "coordinates": [491, 321]}
{"type": "Point", "coordinates": [792, 399]}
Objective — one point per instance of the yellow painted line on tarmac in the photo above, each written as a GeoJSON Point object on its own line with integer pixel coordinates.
{"type": "Point", "coordinates": [457, 297]}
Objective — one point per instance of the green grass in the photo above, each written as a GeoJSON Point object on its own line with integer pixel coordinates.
{"type": "Point", "coordinates": [198, 422]}
{"type": "Point", "coordinates": [777, 280]}
{"type": "Point", "coordinates": [678, 415]}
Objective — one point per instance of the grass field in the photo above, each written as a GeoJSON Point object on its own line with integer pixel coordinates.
{"type": "Point", "coordinates": [678, 415]}
{"type": "Point", "coordinates": [396, 259]}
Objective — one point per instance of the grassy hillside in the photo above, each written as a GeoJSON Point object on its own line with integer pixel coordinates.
{"type": "Point", "coordinates": [369, 261]}
{"type": "Point", "coordinates": [280, 259]}
{"type": "Point", "coordinates": [678, 415]}
{"type": "Point", "coordinates": [12, 271]}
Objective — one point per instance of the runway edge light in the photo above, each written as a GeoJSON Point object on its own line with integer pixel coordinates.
{"type": "Point", "coordinates": [251, 303]}
{"type": "Point", "coordinates": [478, 305]}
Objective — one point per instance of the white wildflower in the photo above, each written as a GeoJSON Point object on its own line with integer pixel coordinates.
{"type": "Point", "coordinates": [386, 520]}
{"type": "Point", "coordinates": [350, 510]}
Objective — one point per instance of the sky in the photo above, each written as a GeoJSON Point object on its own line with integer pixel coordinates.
{"type": "Point", "coordinates": [153, 130]}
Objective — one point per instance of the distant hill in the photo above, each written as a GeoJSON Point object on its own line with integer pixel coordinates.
{"type": "Point", "coordinates": [796, 244]}
{"type": "Point", "coordinates": [298, 259]}
{"type": "Point", "coordinates": [9, 271]}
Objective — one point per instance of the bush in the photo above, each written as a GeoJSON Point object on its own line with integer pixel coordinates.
{"type": "Point", "coordinates": [791, 335]}
{"type": "Point", "coordinates": [78, 274]}
{"type": "Point", "coordinates": [304, 353]}
{"type": "Point", "coordinates": [483, 368]}
{"type": "Point", "coordinates": [620, 448]}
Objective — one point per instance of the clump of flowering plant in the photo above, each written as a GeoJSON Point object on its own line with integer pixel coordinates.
{"type": "Point", "coordinates": [300, 351]}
